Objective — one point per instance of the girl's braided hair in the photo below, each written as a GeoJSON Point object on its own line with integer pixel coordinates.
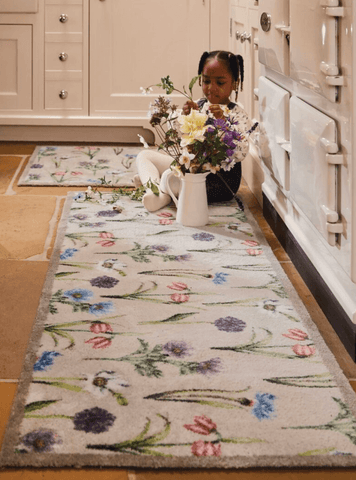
{"type": "Point", "coordinates": [235, 63]}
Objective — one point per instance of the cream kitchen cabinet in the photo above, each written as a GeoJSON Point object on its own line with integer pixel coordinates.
{"type": "Point", "coordinates": [83, 62]}
{"type": "Point", "coordinates": [16, 71]}
{"type": "Point", "coordinates": [244, 29]}
{"type": "Point", "coordinates": [134, 44]}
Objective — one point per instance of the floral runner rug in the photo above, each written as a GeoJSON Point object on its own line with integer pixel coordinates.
{"type": "Point", "coordinates": [76, 166]}
{"type": "Point", "coordinates": [158, 345]}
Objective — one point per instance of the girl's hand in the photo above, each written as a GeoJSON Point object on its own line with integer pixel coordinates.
{"type": "Point", "coordinates": [216, 110]}
{"type": "Point", "coordinates": [188, 106]}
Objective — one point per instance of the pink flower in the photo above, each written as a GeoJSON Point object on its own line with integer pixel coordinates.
{"type": "Point", "coordinates": [250, 243]}
{"type": "Point", "coordinates": [165, 221]}
{"type": "Point", "coordinates": [303, 350]}
{"type": "Point", "coordinates": [106, 243]}
{"type": "Point", "coordinates": [165, 214]}
{"type": "Point", "coordinates": [206, 449]}
{"type": "Point", "coordinates": [178, 286]}
{"type": "Point", "coordinates": [296, 334]}
{"type": "Point", "coordinates": [60, 174]}
{"type": "Point", "coordinates": [202, 424]}
{"type": "Point", "coordinates": [99, 342]}
{"type": "Point", "coordinates": [179, 297]}
{"type": "Point", "coordinates": [99, 327]}
{"type": "Point", "coordinates": [253, 252]}
{"type": "Point", "coordinates": [106, 235]}
{"type": "Point", "coordinates": [76, 173]}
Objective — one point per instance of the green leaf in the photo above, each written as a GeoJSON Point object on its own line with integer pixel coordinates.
{"type": "Point", "coordinates": [64, 274]}
{"type": "Point", "coordinates": [121, 400]}
{"type": "Point", "coordinates": [324, 380]}
{"type": "Point", "coordinates": [172, 319]}
{"type": "Point", "coordinates": [31, 407]}
{"type": "Point", "coordinates": [193, 82]}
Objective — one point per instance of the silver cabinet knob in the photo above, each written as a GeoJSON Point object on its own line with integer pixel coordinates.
{"type": "Point", "coordinates": [237, 35]}
{"type": "Point", "coordinates": [63, 94]}
{"type": "Point", "coordinates": [63, 18]}
{"type": "Point", "coordinates": [63, 56]}
{"type": "Point", "coordinates": [245, 36]}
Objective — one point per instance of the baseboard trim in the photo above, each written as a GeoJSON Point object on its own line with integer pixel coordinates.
{"type": "Point", "coordinates": [327, 301]}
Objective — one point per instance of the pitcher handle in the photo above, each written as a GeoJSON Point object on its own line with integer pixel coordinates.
{"type": "Point", "coordinates": [166, 176]}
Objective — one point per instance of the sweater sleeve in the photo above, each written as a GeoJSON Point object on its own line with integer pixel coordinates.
{"type": "Point", "coordinates": [242, 127]}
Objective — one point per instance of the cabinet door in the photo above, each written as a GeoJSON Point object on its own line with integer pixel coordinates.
{"type": "Point", "coordinates": [135, 43]}
{"type": "Point", "coordinates": [16, 76]}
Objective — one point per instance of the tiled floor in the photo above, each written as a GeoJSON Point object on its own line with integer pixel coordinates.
{"type": "Point", "coordinates": [28, 219]}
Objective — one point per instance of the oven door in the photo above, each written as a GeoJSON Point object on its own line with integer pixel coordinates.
{"type": "Point", "coordinates": [273, 137]}
{"type": "Point", "coordinates": [273, 48]}
{"type": "Point", "coordinates": [314, 45]}
{"type": "Point", "coordinates": [314, 167]}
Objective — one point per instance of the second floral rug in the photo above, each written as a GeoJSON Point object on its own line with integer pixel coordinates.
{"type": "Point", "coordinates": [77, 166]}
{"type": "Point", "coordinates": [158, 345]}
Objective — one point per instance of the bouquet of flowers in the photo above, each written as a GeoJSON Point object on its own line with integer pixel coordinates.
{"type": "Point", "coordinates": [197, 142]}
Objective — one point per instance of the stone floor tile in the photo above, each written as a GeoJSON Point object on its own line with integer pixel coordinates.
{"type": "Point", "coordinates": [8, 167]}
{"type": "Point", "coordinates": [16, 148]}
{"type": "Point", "coordinates": [21, 285]}
{"type": "Point", "coordinates": [24, 225]}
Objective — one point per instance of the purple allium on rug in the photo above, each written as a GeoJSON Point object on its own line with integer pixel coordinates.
{"type": "Point", "coordinates": [93, 420]}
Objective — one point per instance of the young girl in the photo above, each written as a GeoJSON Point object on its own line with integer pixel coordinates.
{"type": "Point", "coordinates": [221, 73]}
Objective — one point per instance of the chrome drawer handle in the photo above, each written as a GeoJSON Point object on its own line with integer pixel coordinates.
{"type": "Point", "coordinates": [63, 94]}
{"type": "Point", "coordinates": [63, 18]}
{"type": "Point", "coordinates": [63, 56]}
{"type": "Point", "coordinates": [245, 36]}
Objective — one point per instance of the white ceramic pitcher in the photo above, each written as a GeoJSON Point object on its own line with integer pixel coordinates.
{"type": "Point", "coordinates": [192, 202]}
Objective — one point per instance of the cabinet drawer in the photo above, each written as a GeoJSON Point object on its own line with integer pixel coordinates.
{"type": "Point", "coordinates": [73, 22]}
{"type": "Point", "coordinates": [72, 52]}
{"type": "Point", "coordinates": [74, 100]}
{"type": "Point", "coordinates": [18, 6]}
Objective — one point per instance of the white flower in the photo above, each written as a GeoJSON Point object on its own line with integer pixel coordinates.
{"type": "Point", "coordinates": [146, 91]}
{"type": "Point", "coordinates": [227, 165]}
{"type": "Point", "coordinates": [211, 168]}
{"type": "Point", "coordinates": [110, 264]}
{"type": "Point", "coordinates": [104, 382]}
{"type": "Point", "coordinates": [186, 158]}
{"type": "Point", "coordinates": [143, 141]}
{"type": "Point", "coordinates": [177, 171]}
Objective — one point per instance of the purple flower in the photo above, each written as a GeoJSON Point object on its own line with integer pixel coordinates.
{"type": "Point", "coordinates": [220, 123]}
{"type": "Point", "coordinates": [34, 176]}
{"type": "Point", "coordinates": [209, 366]}
{"type": "Point", "coordinates": [229, 152]}
{"type": "Point", "coordinates": [104, 282]}
{"type": "Point", "coordinates": [93, 420]}
{"type": "Point", "coordinates": [203, 236]}
{"type": "Point", "coordinates": [230, 324]}
{"type": "Point", "coordinates": [40, 441]}
{"type": "Point", "coordinates": [160, 248]}
{"type": "Point", "coordinates": [37, 165]}
{"type": "Point", "coordinates": [45, 361]}
{"type": "Point", "coordinates": [183, 258]}
{"type": "Point", "coordinates": [263, 406]}
{"type": "Point", "coordinates": [80, 216]}
{"type": "Point", "coordinates": [85, 164]}
{"type": "Point", "coordinates": [108, 213]}
{"type": "Point", "coordinates": [176, 349]}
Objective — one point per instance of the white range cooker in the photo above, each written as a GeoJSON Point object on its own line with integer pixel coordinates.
{"type": "Point", "coordinates": [307, 143]}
